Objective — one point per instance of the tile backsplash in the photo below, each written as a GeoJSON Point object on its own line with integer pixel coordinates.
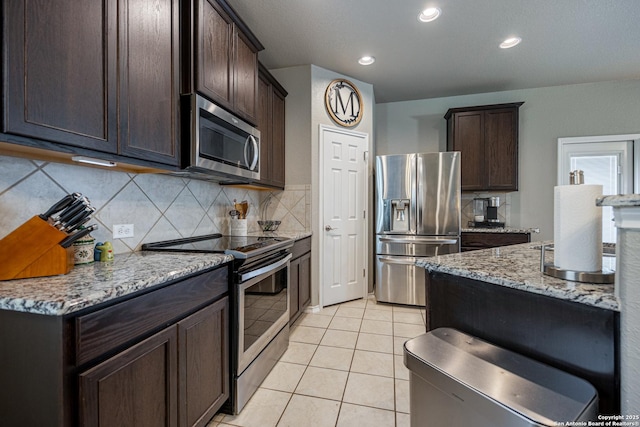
{"type": "Point", "coordinates": [160, 207]}
{"type": "Point", "coordinates": [466, 210]}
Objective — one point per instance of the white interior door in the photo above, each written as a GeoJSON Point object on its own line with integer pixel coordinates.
{"type": "Point", "coordinates": [344, 168]}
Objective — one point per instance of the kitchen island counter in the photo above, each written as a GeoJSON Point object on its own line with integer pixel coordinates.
{"type": "Point", "coordinates": [92, 284]}
{"type": "Point", "coordinates": [518, 267]}
{"type": "Point", "coordinates": [499, 295]}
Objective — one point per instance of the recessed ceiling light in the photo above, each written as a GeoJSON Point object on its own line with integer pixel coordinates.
{"type": "Point", "coordinates": [510, 42]}
{"type": "Point", "coordinates": [366, 60]}
{"type": "Point", "coordinates": [430, 14]}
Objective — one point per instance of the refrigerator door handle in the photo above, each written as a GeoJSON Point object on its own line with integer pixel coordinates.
{"type": "Point", "coordinates": [428, 241]}
{"type": "Point", "coordinates": [398, 260]}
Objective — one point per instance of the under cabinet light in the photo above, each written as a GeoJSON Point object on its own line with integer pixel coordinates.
{"type": "Point", "coordinates": [92, 161]}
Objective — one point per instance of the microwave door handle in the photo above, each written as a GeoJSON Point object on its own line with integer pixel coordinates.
{"type": "Point", "coordinates": [251, 140]}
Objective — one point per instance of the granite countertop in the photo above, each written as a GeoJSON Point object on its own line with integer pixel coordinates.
{"type": "Point", "coordinates": [620, 201]}
{"type": "Point", "coordinates": [514, 230]}
{"type": "Point", "coordinates": [518, 267]}
{"type": "Point", "coordinates": [92, 284]}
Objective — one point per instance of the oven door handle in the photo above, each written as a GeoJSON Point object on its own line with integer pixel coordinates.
{"type": "Point", "coordinates": [265, 270]}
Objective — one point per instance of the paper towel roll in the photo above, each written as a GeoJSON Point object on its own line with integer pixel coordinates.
{"type": "Point", "coordinates": [577, 227]}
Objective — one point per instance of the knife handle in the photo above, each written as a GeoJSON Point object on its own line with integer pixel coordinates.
{"type": "Point", "coordinates": [79, 224]}
{"type": "Point", "coordinates": [71, 223]}
{"type": "Point", "coordinates": [68, 241]}
{"type": "Point", "coordinates": [69, 212]}
{"type": "Point", "coordinates": [58, 206]}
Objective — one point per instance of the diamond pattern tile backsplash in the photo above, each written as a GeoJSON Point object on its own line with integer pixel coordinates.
{"type": "Point", "coordinates": [160, 207]}
{"type": "Point", "coordinates": [466, 210]}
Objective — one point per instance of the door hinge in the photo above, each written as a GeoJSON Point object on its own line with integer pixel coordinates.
{"type": "Point", "coordinates": [364, 273]}
{"type": "Point", "coordinates": [365, 155]}
{"type": "Point", "coordinates": [364, 214]}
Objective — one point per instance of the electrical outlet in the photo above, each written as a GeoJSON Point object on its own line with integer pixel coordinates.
{"type": "Point", "coordinates": [120, 231]}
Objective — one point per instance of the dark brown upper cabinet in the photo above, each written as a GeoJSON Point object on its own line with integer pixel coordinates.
{"type": "Point", "coordinates": [271, 122]}
{"type": "Point", "coordinates": [149, 79]}
{"type": "Point", "coordinates": [487, 137]}
{"type": "Point", "coordinates": [225, 54]}
{"type": "Point", "coordinates": [100, 75]}
{"type": "Point", "coordinates": [61, 71]}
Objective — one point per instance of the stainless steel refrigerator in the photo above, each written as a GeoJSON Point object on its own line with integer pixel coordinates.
{"type": "Point", "coordinates": [417, 215]}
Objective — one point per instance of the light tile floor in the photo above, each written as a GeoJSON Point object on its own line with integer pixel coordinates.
{"type": "Point", "coordinates": [344, 367]}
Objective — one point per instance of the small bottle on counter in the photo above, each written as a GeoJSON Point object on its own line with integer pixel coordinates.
{"type": "Point", "coordinates": [83, 250]}
{"type": "Point", "coordinates": [103, 252]}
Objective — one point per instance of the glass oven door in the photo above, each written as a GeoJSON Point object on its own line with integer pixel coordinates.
{"type": "Point", "coordinates": [263, 309]}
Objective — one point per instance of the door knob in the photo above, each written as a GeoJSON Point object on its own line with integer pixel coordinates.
{"type": "Point", "coordinates": [329, 228]}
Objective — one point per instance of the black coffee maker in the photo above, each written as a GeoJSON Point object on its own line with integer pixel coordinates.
{"type": "Point", "coordinates": [485, 213]}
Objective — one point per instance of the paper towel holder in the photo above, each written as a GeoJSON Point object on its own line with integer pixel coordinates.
{"type": "Point", "coordinates": [603, 277]}
{"type": "Point", "coordinates": [576, 177]}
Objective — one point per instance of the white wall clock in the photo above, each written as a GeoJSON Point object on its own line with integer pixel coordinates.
{"type": "Point", "coordinates": [343, 102]}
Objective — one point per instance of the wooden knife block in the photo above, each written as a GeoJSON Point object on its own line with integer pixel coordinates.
{"type": "Point", "coordinates": [32, 250]}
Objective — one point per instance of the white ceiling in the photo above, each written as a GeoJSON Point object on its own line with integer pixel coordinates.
{"type": "Point", "coordinates": [564, 42]}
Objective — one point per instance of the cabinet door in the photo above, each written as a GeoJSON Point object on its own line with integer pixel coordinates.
{"type": "Point", "coordinates": [135, 388]}
{"type": "Point", "coordinates": [214, 70]}
{"type": "Point", "coordinates": [149, 79]}
{"type": "Point", "coordinates": [277, 140]}
{"type": "Point", "coordinates": [468, 138]}
{"type": "Point", "coordinates": [304, 281]}
{"type": "Point", "coordinates": [264, 125]}
{"type": "Point", "coordinates": [60, 81]}
{"type": "Point", "coordinates": [472, 241]}
{"type": "Point", "coordinates": [501, 149]}
{"type": "Point", "coordinates": [203, 353]}
{"type": "Point", "coordinates": [245, 78]}
{"type": "Point", "coordinates": [294, 278]}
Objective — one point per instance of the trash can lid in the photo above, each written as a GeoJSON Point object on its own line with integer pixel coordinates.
{"type": "Point", "coordinates": [539, 392]}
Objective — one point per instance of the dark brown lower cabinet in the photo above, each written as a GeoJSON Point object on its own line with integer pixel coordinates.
{"type": "Point", "coordinates": [177, 377]}
{"type": "Point", "coordinates": [300, 278]}
{"type": "Point", "coordinates": [471, 241]}
{"type": "Point", "coordinates": [203, 360]}
{"type": "Point", "coordinates": [136, 388]}
{"type": "Point", "coordinates": [159, 358]}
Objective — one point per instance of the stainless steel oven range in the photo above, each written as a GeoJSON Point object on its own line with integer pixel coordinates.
{"type": "Point", "coordinates": [259, 332]}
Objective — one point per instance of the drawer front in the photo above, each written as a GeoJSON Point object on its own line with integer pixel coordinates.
{"type": "Point", "coordinates": [470, 241]}
{"type": "Point", "coordinates": [111, 327]}
{"type": "Point", "coordinates": [301, 247]}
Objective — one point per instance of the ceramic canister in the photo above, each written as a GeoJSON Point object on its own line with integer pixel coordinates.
{"type": "Point", "coordinates": [83, 250]}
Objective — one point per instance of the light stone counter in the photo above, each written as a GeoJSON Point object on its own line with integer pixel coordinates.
{"type": "Point", "coordinates": [518, 267]}
{"type": "Point", "coordinates": [92, 284]}
{"type": "Point", "coordinates": [514, 230]}
{"type": "Point", "coordinates": [620, 201]}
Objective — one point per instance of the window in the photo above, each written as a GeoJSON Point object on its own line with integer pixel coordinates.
{"type": "Point", "coordinates": [605, 160]}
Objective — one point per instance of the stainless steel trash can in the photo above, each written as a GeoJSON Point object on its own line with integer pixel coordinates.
{"type": "Point", "coordinates": [457, 380]}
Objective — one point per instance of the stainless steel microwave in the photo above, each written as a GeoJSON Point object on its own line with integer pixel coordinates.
{"type": "Point", "coordinates": [220, 144]}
